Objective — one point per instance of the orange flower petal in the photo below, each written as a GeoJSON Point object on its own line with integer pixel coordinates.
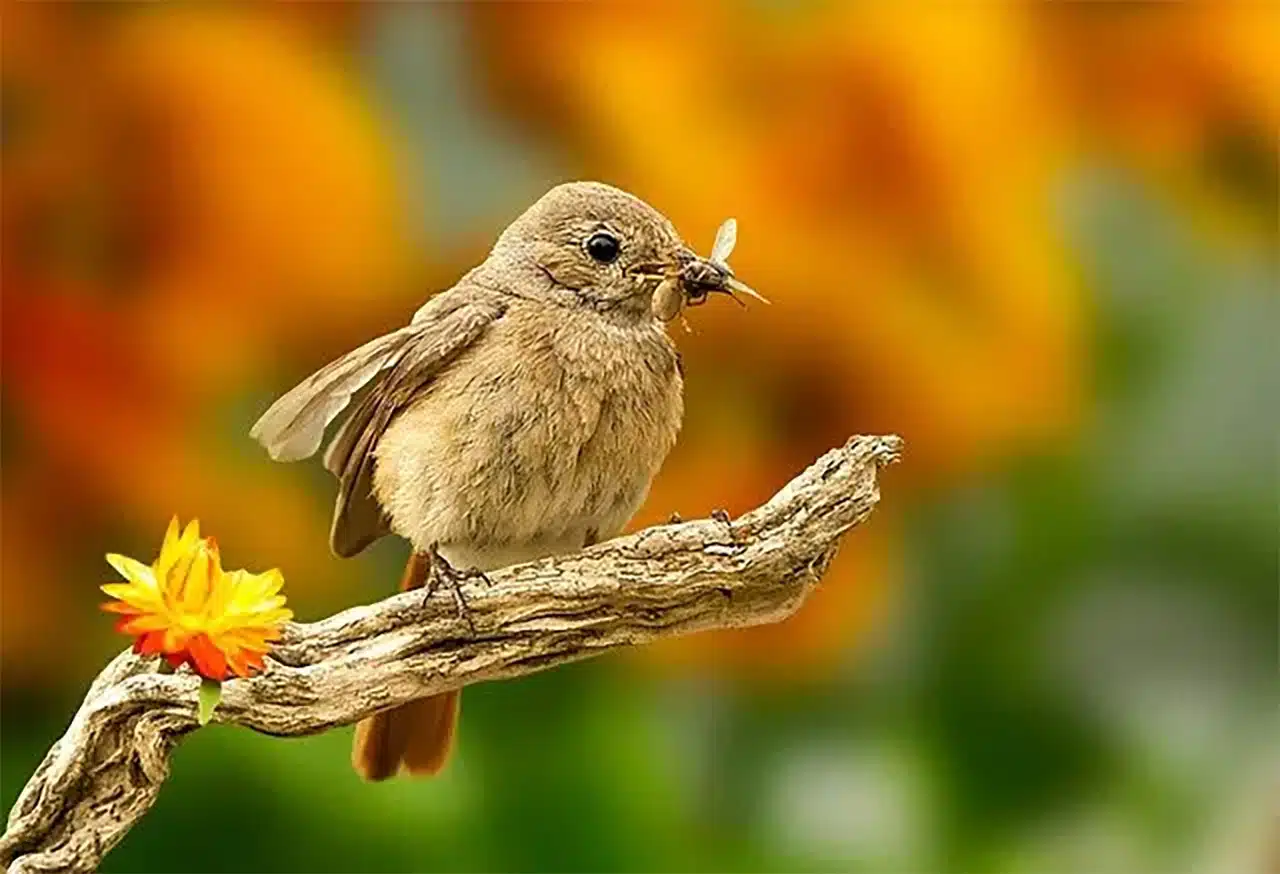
{"type": "Point", "coordinates": [208, 660]}
{"type": "Point", "coordinates": [239, 663]}
{"type": "Point", "coordinates": [176, 659]}
{"type": "Point", "coordinates": [151, 643]}
{"type": "Point", "coordinates": [252, 662]}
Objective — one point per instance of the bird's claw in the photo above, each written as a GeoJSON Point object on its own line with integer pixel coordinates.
{"type": "Point", "coordinates": [440, 571]}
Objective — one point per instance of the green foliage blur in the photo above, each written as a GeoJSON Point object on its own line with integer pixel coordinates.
{"type": "Point", "coordinates": [1075, 669]}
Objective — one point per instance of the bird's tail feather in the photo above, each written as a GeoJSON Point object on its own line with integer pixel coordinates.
{"type": "Point", "coordinates": [416, 737]}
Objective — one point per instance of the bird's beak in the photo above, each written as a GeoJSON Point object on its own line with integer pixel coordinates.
{"type": "Point", "coordinates": [702, 276]}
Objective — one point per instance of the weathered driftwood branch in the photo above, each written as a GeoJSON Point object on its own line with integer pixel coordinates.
{"type": "Point", "coordinates": [103, 774]}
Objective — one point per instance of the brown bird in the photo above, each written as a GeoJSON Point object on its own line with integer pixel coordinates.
{"type": "Point", "coordinates": [521, 413]}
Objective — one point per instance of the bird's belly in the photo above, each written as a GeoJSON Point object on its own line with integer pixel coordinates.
{"type": "Point", "coordinates": [521, 464]}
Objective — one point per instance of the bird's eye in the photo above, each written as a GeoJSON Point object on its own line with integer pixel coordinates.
{"type": "Point", "coordinates": [603, 247]}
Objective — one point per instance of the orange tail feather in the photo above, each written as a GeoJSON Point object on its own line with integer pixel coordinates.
{"type": "Point", "coordinates": [418, 735]}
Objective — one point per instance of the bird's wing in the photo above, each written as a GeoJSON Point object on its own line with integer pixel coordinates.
{"type": "Point", "coordinates": [438, 336]}
{"type": "Point", "coordinates": [294, 425]}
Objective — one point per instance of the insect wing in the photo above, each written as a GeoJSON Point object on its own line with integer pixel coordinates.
{"type": "Point", "coordinates": [726, 239]}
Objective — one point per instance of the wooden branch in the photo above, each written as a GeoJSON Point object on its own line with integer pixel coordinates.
{"type": "Point", "coordinates": [103, 775]}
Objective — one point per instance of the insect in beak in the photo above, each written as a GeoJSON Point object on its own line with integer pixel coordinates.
{"type": "Point", "coordinates": [692, 279]}
{"type": "Point", "coordinates": [704, 276]}
{"type": "Point", "coordinates": [701, 277]}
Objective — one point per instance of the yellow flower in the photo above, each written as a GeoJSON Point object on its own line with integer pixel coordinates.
{"type": "Point", "coordinates": [188, 609]}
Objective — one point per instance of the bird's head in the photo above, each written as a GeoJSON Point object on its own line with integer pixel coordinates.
{"type": "Point", "coordinates": [590, 244]}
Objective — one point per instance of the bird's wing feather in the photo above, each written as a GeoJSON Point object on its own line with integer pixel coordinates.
{"type": "Point", "coordinates": [294, 425]}
{"type": "Point", "coordinates": [438, 338]}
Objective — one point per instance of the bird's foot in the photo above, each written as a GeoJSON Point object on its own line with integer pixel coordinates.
{"type": "Point", "coordinates": [721, 516]}
{"type": "Point", "coordinates": [441, 572]}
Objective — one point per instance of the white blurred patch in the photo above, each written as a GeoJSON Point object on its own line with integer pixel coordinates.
{"type": "Point", "coordinates": [1098, 839]}
{"type": "Point", "coordinates": [1163, 665]}
{"type": "Point", "coordinates": [845, 802]}
{"type": "Point", "coordinates": [1245, 836]}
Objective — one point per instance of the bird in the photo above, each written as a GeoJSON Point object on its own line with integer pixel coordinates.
{"type": "Point", "coordinates": [521, 413]}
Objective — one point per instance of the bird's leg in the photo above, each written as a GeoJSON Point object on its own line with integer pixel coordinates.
{"type": "Point", "coordinates": [722, 516]}
{"type": "Point", "coordinates": [440, 571]}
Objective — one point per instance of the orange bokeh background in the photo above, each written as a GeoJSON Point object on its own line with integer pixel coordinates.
{"type": "Point", "coordinates": [203, 204]}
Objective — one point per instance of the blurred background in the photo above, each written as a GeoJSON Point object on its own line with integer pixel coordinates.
{"type": "Point", "coordinates": [1036, 240]}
